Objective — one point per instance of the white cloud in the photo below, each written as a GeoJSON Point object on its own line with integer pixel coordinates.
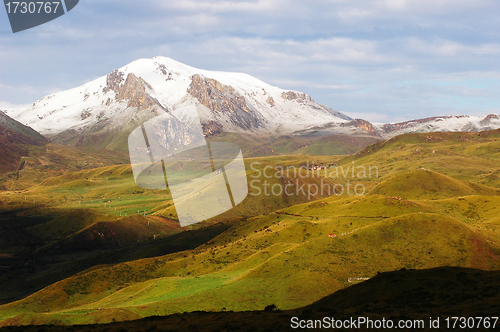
{"type": "Point", "coordinates": [223, 6]}
{"type": "Point", "coordinates": [404, 58]}
{"type": "Point", "coordinates": [447, 48]}
{"type": "Point", "coordinates": [5, 105]}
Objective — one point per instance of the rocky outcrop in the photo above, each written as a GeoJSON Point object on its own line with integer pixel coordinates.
{"type": "Point", "coordinates": [270, 101]}
{"type": "Point", "coordinates": [215, 96]}
{"type": "Point", "coordinates": [162, 69]}
{"type": "Point", "coordinates": [132, 90]}
{"type": "Point", "coordinates": [487, 119]}
{"type": "Point", "coordinates": [224, 100]}
{"type": "Point", "coordinates": [299, 97]}
{"type": "Point", "coordinates": [113, 81]}
{"type": "Point", "coordinates": [212, 128]}
{"type": "Point", "coordinates": [361, 124]}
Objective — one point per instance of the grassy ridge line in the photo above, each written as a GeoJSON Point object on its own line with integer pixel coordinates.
{"type": "Point", "coordinates": [15, 141]}
{"type": "Point", "coordinates": [112, 234]}
{"type": "Point", "coordinates": [19, 128]}
{"type": "Point", "coordinates": [50, 160]}
{"type": "Point", "coordinates": [257, 146]}
{"type": "Point", "coordinates": [472, 157]}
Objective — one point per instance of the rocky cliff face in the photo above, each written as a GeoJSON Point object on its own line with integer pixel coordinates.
{"type": "Point", "coordinates": [297, 96]}
{"type": "Point", "coordinates": [113, 81]}
{"type": "Point", "coordinates": [224, 100]}
{"type": "Point", "coordinates": [132, 90]}
{"type": "Point", "coordinates": [363, 125]}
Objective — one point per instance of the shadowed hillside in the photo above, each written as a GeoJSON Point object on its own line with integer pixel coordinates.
{"type": "Point", "coordinates": [401, 295]}
{"type": "Point", "coordinates": [65, 224]}
{"type": "Point", "coordinates": [15, 138]}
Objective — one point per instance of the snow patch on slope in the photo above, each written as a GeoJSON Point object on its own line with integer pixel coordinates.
{"type": "Point", "coordinates": [441, 124]}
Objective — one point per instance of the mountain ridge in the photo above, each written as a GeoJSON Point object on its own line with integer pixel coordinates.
{"type": "Point", "coordinates": [107, 109]}
{"type": "Point", "coordinates": [104, 112]}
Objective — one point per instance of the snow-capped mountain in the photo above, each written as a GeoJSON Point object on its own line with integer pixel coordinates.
{"type": "Point", "coordinates": [104, 111]}
{"type": "Point", "coordinates": [442, 123]}
{"type": "Point", "coordinates": [388, 130]}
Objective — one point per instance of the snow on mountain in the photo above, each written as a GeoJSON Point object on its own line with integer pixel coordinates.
{"type": "Point", "coordinates": [456, 123]}
{"type": "Point", "coordinates": [442, 123]}
{"type": "Point", "coordinates": [105, 111]}
{"type": "Point", "coordinates": [109, 107]}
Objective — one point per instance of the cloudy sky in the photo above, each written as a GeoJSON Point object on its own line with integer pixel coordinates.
{"type": "Point", "coordinates": [381, 60]}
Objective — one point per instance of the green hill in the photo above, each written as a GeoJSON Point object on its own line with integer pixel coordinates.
{"type": "Point", "coordinates": [65, 224]}
{"type": "Point", "coordinates": [286, 260]}
{"type": "Point", "coordinates": [400, 295]}
{"type": "Point", "coordinates": [30, 136]}
{"type": "Point", "coordinates": [261, 146]}
{"type": "Point", "coordinates": [287, 250]}
{"type": "Point", "coordinates": [116, 233]}
{"type": "Point", "coordinates": [426, 184]}
{"type": "Point", "coordinates": [40, 162]}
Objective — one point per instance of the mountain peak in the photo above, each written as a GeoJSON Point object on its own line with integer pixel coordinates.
{"type": "Point", "coordinates": [107, 108]}
{"type": "Point", "coordinates": [104, 112]}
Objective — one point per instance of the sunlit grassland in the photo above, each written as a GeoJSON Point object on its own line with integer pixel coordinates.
{"type": "Point", "coordinates": [434, 202]}
{"type": "Point", "coordinates": [283, 258]}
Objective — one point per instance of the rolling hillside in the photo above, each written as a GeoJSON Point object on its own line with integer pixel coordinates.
{"type": "Point", "coordinates": [432, 201]}
{"type": "Point", "coordinates": [15, 140]}
{"type": "Point", "coordinates": [68, 223]}
{"type": "Point", "coordinates": [400, 295]}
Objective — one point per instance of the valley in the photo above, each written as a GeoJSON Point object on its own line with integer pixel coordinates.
{"type": "Point", "coordinates": [432, 202]}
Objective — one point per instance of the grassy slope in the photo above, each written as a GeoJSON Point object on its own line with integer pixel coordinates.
{"type": "Point", "coordinates": [290, 263]}
{"type": "Point", "coordinates": [15, 141]}
{"type": "Point", "coordinates": [42, 162]}
{"type": "Point", "coordinates": [82, 218]}
{"type": "Point", "coordinates": [287, 258]}
{"type": "Point", "coordinates": [404, 294]}
{"type": "Point", "coordinates": [19, 128]}
{"type": "Point", "coordinates": [469, 157]}
{"type": "Point", "coordinates": [257, 146]}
